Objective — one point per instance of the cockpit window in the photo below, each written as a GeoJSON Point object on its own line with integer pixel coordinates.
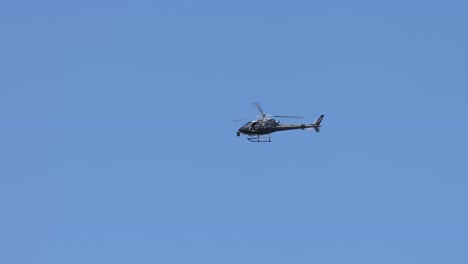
{"type": "Point", "coordinates": [247, 125]}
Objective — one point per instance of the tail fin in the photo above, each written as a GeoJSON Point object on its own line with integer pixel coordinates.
{"type": "Point", "coordinates": [317, 123]}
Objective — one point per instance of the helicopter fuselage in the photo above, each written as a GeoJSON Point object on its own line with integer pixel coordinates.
{"type": "Point", "coordinates": [268, 126]}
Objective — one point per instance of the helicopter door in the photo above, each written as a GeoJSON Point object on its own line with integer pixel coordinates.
{"type": "Point", "coordinates": [253, 126]}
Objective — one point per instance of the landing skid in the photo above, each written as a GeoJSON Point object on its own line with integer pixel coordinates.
{"type": "Point", "coordinates": [260, 138]}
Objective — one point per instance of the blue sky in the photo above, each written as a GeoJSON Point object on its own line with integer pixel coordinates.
{"type": "Point", "coordinates": [118, 146]}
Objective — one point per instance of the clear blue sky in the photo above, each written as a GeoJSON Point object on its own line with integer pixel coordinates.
{"type": "Point", "coordinates": [117, 141]}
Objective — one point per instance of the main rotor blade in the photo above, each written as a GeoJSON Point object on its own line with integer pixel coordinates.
{"type": "Point", "coordinates": [259, 108]}
{"type": "Point", "coordinates": [238, 119]}
{"type": "Point", "coordinates": [286, 116]}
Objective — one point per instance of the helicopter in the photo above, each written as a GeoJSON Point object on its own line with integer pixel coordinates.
{"type": "Point", "coordinates": [260, 130]}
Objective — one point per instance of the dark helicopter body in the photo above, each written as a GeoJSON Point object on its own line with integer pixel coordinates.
{"type": "Point", "coordinates": [264, 126]}
{"type": "Point", "coordinates": [268, 126]}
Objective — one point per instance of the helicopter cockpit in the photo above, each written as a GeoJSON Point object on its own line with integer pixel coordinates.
{"type": "Point", "coordinates": [246, 127]}
{"type": "Point", "coordinates": [253, 125]}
